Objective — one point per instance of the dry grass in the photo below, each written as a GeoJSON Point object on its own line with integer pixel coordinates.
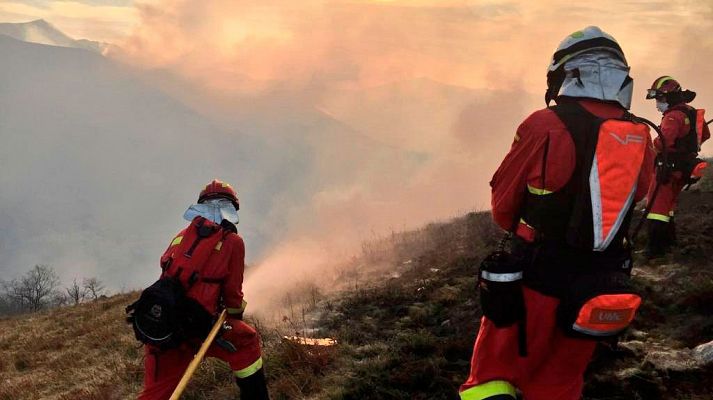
{"type": "Point", "coordinates": [84, 352]}
{"type": "Point", "coordinates": [88, 352]}
{"type": "Point", "coordinates": [405, 316]}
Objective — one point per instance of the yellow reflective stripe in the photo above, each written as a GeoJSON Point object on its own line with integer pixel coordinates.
{"type": "Point", "coordinates": [253, 368]}
{"type": "Point", "coordinates": [237, 310]}
{"type": "Point", "coordinates": [658, 217]}
{"type": "Point", "coordinates": [219, 246]}
{"type": "Point", "coordinates": [177, 241]}
{"type": "Point", "coordinates": [522, 221]}
{"type": "Point", "coordinates": [687, 121]}
{"type": "Point", "coordinates": [662, 81]}
{"type": "Point", "coordinates": [537, 191]}
{"type": "Point", "coordinates": [488, 389]}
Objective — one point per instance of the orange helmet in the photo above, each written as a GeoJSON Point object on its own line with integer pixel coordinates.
{"type": "Point", "coordinates": [217, 189]}
{"type": "Point", "coordinates": [663, 86]}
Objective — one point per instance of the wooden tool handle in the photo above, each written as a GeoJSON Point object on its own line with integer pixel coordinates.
{"type": "Point", "coordinates": [198, 357]}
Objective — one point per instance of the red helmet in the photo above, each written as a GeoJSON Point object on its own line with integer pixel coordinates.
{"type": "Point", "coordinates": [663, 86]}
{"type": "Point", "coordinates": [219, 189]}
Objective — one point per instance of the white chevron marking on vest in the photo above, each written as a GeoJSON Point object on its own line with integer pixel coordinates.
{"type": "Point", "coordinates": [628, 139]}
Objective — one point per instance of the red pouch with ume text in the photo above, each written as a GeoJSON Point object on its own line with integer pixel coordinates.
{"type": "Point", "coordinates": [598, 306]}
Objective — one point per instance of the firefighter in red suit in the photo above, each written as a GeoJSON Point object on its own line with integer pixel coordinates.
{"type": "Point", "coordinates": [217, 206]}
{"type": "Point", "coordinates": [540, 165]}
{"type": "Point", "coordinates": [684, 130]}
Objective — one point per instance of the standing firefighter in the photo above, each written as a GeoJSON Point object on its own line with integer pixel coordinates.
{"type": "Point", "coordinates": [202, 274]}
{"type": "Point", "coordinates": [684, 130]}
{"type": "Point", "coordinates": [566, 190]}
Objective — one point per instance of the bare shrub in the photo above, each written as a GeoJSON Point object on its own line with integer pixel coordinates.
{"type": "Point", "coordinates": [76, 293]}
{"type": "Point", "coordinates": [94, 287]}
{"type": "Point", "coordinates": [33, 291]}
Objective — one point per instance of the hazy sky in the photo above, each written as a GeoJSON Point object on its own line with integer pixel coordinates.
{"type": "Point", "coordinates": [492, 44]}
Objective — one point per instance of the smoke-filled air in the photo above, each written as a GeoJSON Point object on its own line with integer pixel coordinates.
{"type": "Point", "coordinates": [338, 122]}
{"type": "Point", "coordinates": [356, 199]}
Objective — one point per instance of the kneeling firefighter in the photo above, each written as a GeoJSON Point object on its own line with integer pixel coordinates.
{"type": "Point", "coordinates": [202, 275]}
{"type": "Point", "coordinates": [566, 192]}
{"type": "Point", "coordinates": [684, 130]}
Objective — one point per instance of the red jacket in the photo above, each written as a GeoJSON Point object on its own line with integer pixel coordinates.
{"type": "Point", "coordinates": [676, 124]}
{"type": "Point", "coordinates": [522, 166]}
{"type": "Point", "coordinates": [221, 277]}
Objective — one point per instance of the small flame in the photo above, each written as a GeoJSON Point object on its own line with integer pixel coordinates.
{"type": "Point", "coordinates": [311, 341]}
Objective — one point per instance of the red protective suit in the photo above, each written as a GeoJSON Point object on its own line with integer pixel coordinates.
{"type": "Point", "coordinates": [674, 125]}
{"type": "Point", "coordinates": [554, 366]}
{"type": "Point", "coordinates": [224, 268]}
{"type": "Point", "coordinates": [521, 170]}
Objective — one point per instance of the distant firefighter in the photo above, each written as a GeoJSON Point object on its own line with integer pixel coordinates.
{"type": "Point", "coordinates": [566, 192]}
{"type": "Point", "coordinates": [201, 275]}
{"type": "Point", "coordinates": [684, 130]}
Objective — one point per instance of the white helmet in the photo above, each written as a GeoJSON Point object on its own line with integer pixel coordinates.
{"type": "Point", "coordinates": [590, 63]}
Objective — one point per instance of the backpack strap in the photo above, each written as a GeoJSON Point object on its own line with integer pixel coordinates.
{"type": "Point", "coordinates": [198, 231]}
{"type": "Point", "coordinates": [203, 232]}
{"type": "Point", "coordinates": [687, 145]}
{"type": "Point", "coordinates": [583, 128]}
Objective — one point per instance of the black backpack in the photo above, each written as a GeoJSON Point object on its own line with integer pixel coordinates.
{"type": "Point", "coordinates": [164, 316]}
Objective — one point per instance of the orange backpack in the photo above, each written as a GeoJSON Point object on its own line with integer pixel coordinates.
{"type": "Point", "coordinates": [601, 302]}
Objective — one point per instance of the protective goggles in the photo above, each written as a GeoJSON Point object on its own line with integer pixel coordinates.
{"type": "Point", "coordinates": [653, 93]}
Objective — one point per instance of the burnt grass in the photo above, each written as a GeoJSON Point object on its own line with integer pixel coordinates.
{"type": "Point", "coordinates": [411, 336]}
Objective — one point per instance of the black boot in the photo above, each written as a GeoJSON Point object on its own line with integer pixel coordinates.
{"type": "Point", "coordinates": [661, 237]}
{"type": "Point", "coordinates": [254, 387]}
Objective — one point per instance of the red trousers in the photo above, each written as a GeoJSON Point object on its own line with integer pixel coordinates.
{"type": "Point", "coordinates": [554, 366]}
{"type": "Point", "coordinates": [663, 205]}
{"type": "Point", "coordinates": [163, 369]}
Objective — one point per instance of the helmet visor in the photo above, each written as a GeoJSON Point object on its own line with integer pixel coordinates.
{"type": "Point", "coordinates": [653, 93]}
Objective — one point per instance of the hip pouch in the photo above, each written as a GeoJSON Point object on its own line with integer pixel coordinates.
{"type": "Point", "coordinates": [500, 285]}
{"type": "Point", "coordinates": [598, 305]}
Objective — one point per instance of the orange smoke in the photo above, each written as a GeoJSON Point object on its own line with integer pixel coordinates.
{"type": "Point", "coordinates": [445, 82]}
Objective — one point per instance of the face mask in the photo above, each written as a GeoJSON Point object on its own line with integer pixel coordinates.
{"type": "Point", "coordinates": [662, 106]}
{"type": "Point", "coordinates": [215, 210]}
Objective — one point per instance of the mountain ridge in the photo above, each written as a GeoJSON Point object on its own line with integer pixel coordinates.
{"type": "Point", "coordinates": [42, 32]}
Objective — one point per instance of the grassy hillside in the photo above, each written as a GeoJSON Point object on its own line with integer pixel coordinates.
{"type": "Point", "coordinates": [83, 352]}
{"type": "Point", "coordinates": [405, 327]}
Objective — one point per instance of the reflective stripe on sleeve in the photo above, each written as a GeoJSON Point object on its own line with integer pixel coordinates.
{"type": "Point", "coordinates": [253, 368]}
{"type": "Point", "coordinates": [658, 217]}
{"type": "Point", "coordinates": [176, 241]}
{"type": "Point", "coordinates": [504, 277]}
{"type": "Point", "coordinates": [237, 310]}
{"type": "Point", "coordinates": [539, 192]}
{"type": "Point", "coordinates": [487, 390]}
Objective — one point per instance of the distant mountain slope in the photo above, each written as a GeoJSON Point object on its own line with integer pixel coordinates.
{"type": "Point", "coordinates": [42, 32]}
{"type": "Point", "coordinates": [101, 165]}
{"type": "Point", "coordinates": [98, 167]}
